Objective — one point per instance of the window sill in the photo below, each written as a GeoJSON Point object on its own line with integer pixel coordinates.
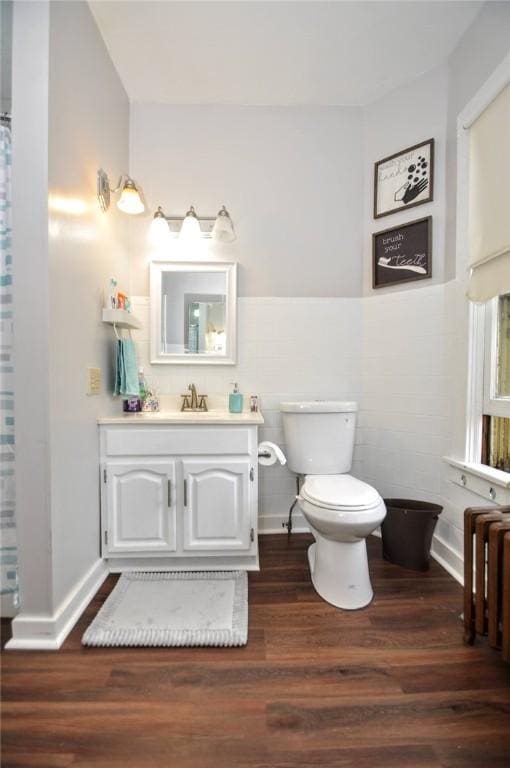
{"type": "Point", "coordinates": [493, 476]}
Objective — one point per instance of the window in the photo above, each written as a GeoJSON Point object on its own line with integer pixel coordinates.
{"type": "Point", "coordinates": [483, 243]}
{"type": "Point", "coordinates": [495, 449]}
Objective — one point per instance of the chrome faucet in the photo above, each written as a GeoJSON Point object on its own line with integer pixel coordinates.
{"type": "Point", "coordinates": [193, 402]}
{"type": "Point", "coordinates": [194, 398]}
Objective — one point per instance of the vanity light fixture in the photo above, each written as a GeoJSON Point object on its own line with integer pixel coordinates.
{"type": "Point", "coordinates": [190, 229]}
{"type": "Point", "coordinates": [223, 229]}
{"type": "Point", "coordinates": [160, 232]}
{"type": "Point", "coordinates": [130, 200]}
{"type": "Point", "coordinates": [192, 226]}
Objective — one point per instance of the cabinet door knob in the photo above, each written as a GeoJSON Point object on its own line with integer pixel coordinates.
{"type": "Point", "coordinates": [185, 492]}
{"type": "Point", "coordinates": [169, 492]}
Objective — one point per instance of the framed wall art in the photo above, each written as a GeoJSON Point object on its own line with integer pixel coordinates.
{"type": "Point", "coordinates": [403, 253]}
{"type": "Point", "coordinates": [404, 179]}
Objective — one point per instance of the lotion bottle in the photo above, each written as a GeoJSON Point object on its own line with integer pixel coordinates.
{"type": "Point", "coordinates": [235, 400]}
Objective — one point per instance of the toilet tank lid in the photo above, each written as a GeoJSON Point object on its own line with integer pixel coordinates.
{"type": "Point", "coordinates": [319, 406]}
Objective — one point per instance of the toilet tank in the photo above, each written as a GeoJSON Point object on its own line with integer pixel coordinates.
{"type": "Point", "coordinates": [319, 436]}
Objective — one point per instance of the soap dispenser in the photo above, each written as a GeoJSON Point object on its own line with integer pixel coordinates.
{"type": "Point", "coordinates": [235, 400]}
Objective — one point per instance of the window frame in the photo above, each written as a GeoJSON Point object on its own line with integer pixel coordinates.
{"type": "Point", "coordinates": [492, 404]}
{"type": "Point", "coordinates": [481, 321]}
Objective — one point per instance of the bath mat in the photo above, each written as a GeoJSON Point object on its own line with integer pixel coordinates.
{"type": "Point", "coordinates": [174, 609]}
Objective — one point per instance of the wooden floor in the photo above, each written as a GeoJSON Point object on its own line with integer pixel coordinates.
{"type": "Point", "coordinates": [390, 686]}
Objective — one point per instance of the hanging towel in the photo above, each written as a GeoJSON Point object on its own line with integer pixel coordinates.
{"type": "Point", "coordinates": [126, 370]}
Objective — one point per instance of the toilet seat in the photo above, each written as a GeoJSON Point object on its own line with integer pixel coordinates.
{"type": "Point", "coordinates": [339, 492]}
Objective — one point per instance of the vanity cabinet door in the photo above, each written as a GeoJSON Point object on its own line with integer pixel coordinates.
{"type": "Point", "coordinates": [217, 505]}
{"type": "Point", "coordinates": [140, 507]}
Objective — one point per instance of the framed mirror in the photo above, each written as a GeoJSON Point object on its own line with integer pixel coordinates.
{"type": "Point", "coordinates": [193, 312]}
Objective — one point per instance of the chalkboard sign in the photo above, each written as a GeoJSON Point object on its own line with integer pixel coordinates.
{"type": "Point", "coordinates": [401, 254]}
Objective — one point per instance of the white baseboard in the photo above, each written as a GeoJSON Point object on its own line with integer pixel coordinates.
{"type": "Point", "coordinates": [448, 558]}
{"type": "Point", "coordinates": [273, 524]}
{"type": "Point", "coordinates": [31, 632]}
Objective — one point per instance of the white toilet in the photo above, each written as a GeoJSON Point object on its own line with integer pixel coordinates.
{"type": "Point", "coordinates": [341, 510]}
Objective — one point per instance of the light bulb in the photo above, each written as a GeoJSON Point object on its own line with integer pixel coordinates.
{"type": "Point", "coordinates": [130, 200]}
{"type": "Point", "coordinates": [190, 229]}
{"type": "Point", "coordinates": [160, 232]}
{"type": "Point", "coordinates": [223, 229]}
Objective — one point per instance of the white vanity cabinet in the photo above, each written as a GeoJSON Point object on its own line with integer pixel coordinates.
{"type": "Point", "coordinates": [177, 494]}
{"type": "Point", "coordinates": [140, 506]}
{"type": "Point", "coordinates": [217, 505]}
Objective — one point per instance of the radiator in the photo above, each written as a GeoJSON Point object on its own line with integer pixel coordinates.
{"type": "Point", "coordinates": [487, 576]}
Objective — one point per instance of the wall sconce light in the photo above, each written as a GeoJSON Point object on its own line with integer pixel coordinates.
{"type": "Point", "coordinates": [190, 229]}
{"type": "Point", "coordinates": [192, 226]}
{"type": "Point", "coordinates": [129, 201]}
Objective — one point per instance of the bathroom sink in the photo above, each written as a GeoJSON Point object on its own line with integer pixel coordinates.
{"type": "Point", "coordinates": [175, 416]}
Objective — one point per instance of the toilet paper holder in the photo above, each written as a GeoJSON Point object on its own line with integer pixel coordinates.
{"type": "Point", "coordinates": [269, 453]}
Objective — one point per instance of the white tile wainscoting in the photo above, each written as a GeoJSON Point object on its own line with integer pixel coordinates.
{"type": "Point", "coordinates": [401, 355]}
{"type": "Point", "coordinates": [405, 393]}
{"type": "Point", "coordinates": [406, 405]}
{"type": "Point", "coordinates": [288, 348]}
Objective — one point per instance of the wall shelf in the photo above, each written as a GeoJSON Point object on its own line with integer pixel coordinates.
{"type": "Point", "coordinates": [121, 319]}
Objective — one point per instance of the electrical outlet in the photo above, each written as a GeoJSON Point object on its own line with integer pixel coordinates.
{"type": "Point", "coordinates": [94, 381]}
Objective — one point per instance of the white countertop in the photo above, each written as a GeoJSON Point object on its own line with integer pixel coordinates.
{"type": "Point", "coordinates": [214, 416]}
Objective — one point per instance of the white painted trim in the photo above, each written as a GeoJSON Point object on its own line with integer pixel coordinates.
{"type": "Point", "coordinates": [295, 529]}
{"type": "Point", "coordinates": [492, 475]}
{"type": "Point", "coordinates": [448, 558]}
{"type": "Point", "coordinates": [485, 95]}
{"type": "Point", "coordinates": [273, 524]}
{"type": "Point", "coordinates": [47, 633]}
{"type": "Point", "coordinates": [475, 383]}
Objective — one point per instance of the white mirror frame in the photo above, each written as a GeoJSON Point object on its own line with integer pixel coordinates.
{"type": "Point", "coordinates": [157, 268]}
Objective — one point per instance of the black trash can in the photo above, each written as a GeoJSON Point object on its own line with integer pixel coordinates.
{"type": "Point", "coordinates": [407, 532]}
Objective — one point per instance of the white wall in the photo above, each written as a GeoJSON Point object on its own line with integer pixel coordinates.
{"type": "Point", "coordinates": [416, 112]}
{"type": "Point", "coordinates": [480, 50]}
{"type": "Point", "coordinates": [290, 178]}
{"type": "Point", "coordinates": [415, 336]}
{"type": "Point", "coordinates": [466, 75]}
{"type": "Point", "coordinates": [5, 55]}
{"type": "Point", "coordinates": [405, 404]}
{"type": "Point", "coordinates": [88, 129]}
{"type": "Point", "coordinates": [31, 302]}
{"type": "Point", "coordinates": [71, 116]}
{"type": "Point", "coordinates": [405, 336]}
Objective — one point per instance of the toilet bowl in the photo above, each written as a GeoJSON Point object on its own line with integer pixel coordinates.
{"type": "Point", "coordinates": [341, 512]}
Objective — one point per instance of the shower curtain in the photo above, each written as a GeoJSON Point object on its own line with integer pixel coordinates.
{"type": "Point", "coordinates": [8, 549]}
